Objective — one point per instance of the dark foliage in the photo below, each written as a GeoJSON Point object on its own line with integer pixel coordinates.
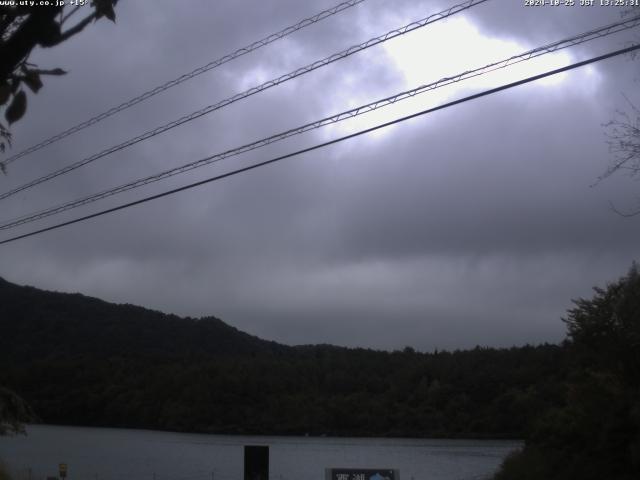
{"type": "Point", "coordinates": [79, 360]}
{"type": "Point", "coordinates": [14, 412]}
{"type": "Point", "coordinates": [596, 434]}
{"type": "Point", "coordinates": [25, 27]}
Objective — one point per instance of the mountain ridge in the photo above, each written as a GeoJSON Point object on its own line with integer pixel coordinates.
{"type": "Point", "coordinates": [79, 360]}
{"type": "Point", "coordinates": [26, 309]}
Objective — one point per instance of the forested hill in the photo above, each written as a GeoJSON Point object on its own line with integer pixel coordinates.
{"type": "Point", "coordinates": [79, 360]}
{"type": "Point", "coordinates": [40, 324]}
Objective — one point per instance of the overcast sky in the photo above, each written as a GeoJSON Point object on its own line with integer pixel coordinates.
{"type": "Point", "coordinates": [473, 225]}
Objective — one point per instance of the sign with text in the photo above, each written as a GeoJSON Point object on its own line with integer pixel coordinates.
{"type": "Point", "coordinates": [362, 474]}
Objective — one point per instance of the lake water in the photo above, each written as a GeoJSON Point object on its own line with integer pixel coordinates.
{"type": "Point", "coordinates": [118, 454]}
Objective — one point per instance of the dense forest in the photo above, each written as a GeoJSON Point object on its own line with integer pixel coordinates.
{"type": "Point", "coordinates": [77, 360]}
{"type": "Point", "coordinates": [81, 361]}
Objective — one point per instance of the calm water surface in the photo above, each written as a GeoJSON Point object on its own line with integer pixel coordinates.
{"type": "Point", "coordinates": [115, 454]}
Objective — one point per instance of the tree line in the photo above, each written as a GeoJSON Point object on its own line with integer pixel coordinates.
{"type": "Point", "coordinates": [81, 361]}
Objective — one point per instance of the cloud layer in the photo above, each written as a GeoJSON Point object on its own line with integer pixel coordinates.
{"type": "Point", "coordinates": [473, 225]}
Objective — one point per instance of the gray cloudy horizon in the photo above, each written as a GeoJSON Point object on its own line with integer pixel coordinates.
{"type": "Point", "coordinates": [474, 225]}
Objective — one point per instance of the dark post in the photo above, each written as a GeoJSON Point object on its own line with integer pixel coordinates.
{"type": "Point", "coordinates": [256, 462]}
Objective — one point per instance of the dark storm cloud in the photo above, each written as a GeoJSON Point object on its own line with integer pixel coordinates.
{"type": "Point", "coordinates": [472, 225]}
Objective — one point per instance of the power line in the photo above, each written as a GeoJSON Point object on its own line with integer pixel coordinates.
{"type": "Point", "coordinates": [330, 142]}
{"type": "Point", "coordinates": [187, 76]}
{"type": "Point", "coordinates": [252, 91]}
{"type": "Point", "coordinates": [534, 53]}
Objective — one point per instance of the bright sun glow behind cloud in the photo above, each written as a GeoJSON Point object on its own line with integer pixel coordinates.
{"type": "Point", "coordinates": [447, 49]}
{"type": "Point", "coordinates": [455, 46]}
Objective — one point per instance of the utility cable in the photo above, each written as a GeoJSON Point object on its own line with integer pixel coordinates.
{"type": "Point", "coordinates": [187, 76]}
{"type": "Point", "coordinates": [543, 50]}
{"type": "Point", "coordinates": [326, 144]}
{"type": "Point", "coordinates": [252, 91]}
